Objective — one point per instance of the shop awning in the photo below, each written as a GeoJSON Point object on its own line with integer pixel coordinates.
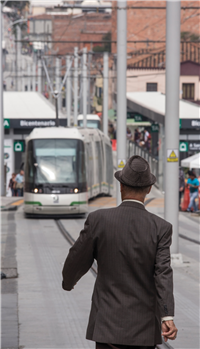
{"type": "Point", "coordinates": [191, 162]}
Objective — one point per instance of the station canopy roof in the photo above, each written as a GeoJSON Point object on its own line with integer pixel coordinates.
{"type": "Point", "coordinates": [28, 105]}
{"type": "Point", "coordinates": [152, 105]}
{"type": "Point", "coordinates": [191, 162]}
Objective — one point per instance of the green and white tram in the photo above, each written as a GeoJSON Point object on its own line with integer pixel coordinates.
{"type": "Point", "coordinates": [64, 167]}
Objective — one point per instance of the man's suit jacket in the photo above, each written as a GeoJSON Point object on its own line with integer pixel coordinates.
{"type": "Point", "coordinates": [134, 285]}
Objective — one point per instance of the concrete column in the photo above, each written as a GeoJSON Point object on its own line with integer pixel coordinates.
{"type": "Point", "coordinates": [1, 109]}
{"type": "Point", "coordinates": [121, 88]}
{"type": "Point", "coordinates": [68, 92]}
{"type": "Point", "coordinates": [75, 85]}
{"type": "Point", "coordinates": [85, 87]}
{"type": "Point", "coordinates": [58, 82]}
{"type": "Point", "coordinates": [23, 73]}
{"type": "Point", "coordinates": [88, 83]}
{"type": "Point", "coordinates": [105, 93]}
{"type": "Point", "coordinates": [29, 77]}
{"type": "Point", "coordinates": [171, 156]}
{"type": "Point", "coordinates": [18, 66]}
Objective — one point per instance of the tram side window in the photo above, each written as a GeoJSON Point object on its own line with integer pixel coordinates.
{"type": "Point", "coordinates": [81, 163]}
{"type": "Point", "coordinates": [89, 164]}
{"type": "Point", "coordinates": [29, 173]}
{"type": "Point", "coordinates": [109, 165]}
{"type": "Point", "coordinates": [99, 162]}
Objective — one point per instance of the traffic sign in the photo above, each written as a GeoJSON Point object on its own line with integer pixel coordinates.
{"type": "Point", "coordinates": [18, 146]}
{"type": "Point", "coordinates": [6, 123]}
{"type": "Point", "coordinates": [183, 146]}
{"type": "Point", "coordinates": [172, 155]}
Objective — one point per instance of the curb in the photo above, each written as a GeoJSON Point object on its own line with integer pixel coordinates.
{"type": "Point", "coordinates": [13, 206]}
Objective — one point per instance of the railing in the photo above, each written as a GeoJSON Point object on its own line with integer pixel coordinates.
{"type": "Point", "coordinates": [135, 149]}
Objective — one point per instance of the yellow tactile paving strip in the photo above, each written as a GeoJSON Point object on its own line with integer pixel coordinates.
{"type": "Point", "coordinates": [156, 203]}
{"type": "Point", "coordinates": [101, 202]}
{"type": "Point", "coordinates": [17, 203]}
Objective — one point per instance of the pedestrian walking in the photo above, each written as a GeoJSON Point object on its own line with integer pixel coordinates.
{"type": "Point", "coordinates": [19, 179]}
{"type": "Point", "coordinates": [181, 185]}
{"type": "Point", "coordinates": [133, 291]}
{"type": "Point", "coordinates": [193, 185]}
{"type": "Point", "coordinates": [12, 184]}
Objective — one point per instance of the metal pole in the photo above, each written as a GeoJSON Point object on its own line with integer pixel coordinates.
{"type": "Point", "coordinates": [56, 102]}
{"type": "Point", "coordinates": [172, 118]}
{"type": "Point", "coordinates": [1, 108]}
{"type": "Point", "coordinates": [39, 76]}
{"type": "Point", "coordinates": [29, 77]}
{"type": "Point", "coordinates": [85, 87]}
{"type": "Point", "coordinates": [68, 90]}
{"type": "Point", "coordinates": [23, 72]}
{"type": "Point", "coordinates": [34, 74]}
{"type": "Point", "coordinates": [121, 88]}
{"type": "Point", "coordinates": [105, 93]}
{"type": "Point", "coordinates": [75, 85]}
{"type": "Point", "coordinates": [88, 103]}
{"type": "Point", "coordinates": [58, 82]}
{"type": "Point", "coordinates": [18, 85]}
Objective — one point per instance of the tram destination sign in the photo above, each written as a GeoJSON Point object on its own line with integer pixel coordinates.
{"type": "Point", "coordinates": [31, 123]}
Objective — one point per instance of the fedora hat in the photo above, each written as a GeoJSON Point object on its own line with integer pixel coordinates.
{"type": "Point", "coordinates": [136, 173]}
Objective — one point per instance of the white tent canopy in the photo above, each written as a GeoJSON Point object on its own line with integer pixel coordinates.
{"type": "Point", "coordinates": [191, 162]}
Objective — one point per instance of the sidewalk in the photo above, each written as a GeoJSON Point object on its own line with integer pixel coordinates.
{"type": "Point", "coordinates": [10, 203]}
{"type": "Point", "coordinates": [186, 274]}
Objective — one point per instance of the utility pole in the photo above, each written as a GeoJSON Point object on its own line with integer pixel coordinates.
{"type": "Point", "coordinates": [75, 85]}
{"type": "Point", "coordinates": [58, 81]}
{"type": "Point", "coordinates": [1, 107]}
{"type": "Point", "coordinates": [23, 72]}
{"type": "Point", "coordinates": [171, 157]}
{"type": "Point", "coordinates": [33, 74]}
{"type": "Point", "coordinates": [121, 88]}
{"type": "Point", "coordinates": [29, 77]}
{"type": "Point", "coordinates": [18, 70]}
{"type": "Point", "coordinates": [68, 92]}
{"type": "Point", "coordinates": [85, 87]}
{"type": "Point", "coordinates": [105, 93]}
{"type": "Point", "coordinates": [39, 76]}
{"type": "Point", "coordinates": [89, 63]}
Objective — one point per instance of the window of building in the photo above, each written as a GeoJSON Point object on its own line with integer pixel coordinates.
{"type": "Point", "coordinates": [188, 91]}
{"type": "Point", "coordinates": [152, 87]}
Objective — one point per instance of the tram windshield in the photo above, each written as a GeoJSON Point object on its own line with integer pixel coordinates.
{"type": "Point", "coordinates": [56, 160]}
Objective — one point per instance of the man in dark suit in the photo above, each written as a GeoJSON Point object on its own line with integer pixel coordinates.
{"type": "Point", "coordinates": [133, 292]}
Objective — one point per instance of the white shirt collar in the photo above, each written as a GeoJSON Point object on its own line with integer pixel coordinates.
{"type": "Point", "coordinates": [139, 202]}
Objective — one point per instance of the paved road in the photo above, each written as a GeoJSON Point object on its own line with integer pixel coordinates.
{"type": "Point", "coordinates": [52, 318]}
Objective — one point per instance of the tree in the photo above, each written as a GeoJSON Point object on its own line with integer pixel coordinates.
{"type": "Point", "coordinates": [106, 46]}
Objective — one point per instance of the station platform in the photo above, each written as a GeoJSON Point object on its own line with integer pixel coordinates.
{"type": "Point", "coordinates": [38, 313]}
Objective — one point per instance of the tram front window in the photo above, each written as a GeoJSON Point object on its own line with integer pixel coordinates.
{"type": "Point", "coordinates": [56, 160]}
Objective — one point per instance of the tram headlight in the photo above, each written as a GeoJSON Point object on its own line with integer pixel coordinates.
{"type": "Point", "coordinates": [35, 190]}
{"type": "Point", "coordinates": [76, 190]}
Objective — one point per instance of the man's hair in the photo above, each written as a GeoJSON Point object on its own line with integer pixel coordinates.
{"type": "Point", "coordinates": [136, 190]}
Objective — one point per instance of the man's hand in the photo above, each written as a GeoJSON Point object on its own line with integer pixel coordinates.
{"type": "Point", "coordinates": [169, 330]}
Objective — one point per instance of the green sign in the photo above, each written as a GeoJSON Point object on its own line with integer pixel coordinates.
{"type": "Point", "coordinates": [18, 146]}
{"type": "Point", "coordinates": [154, 127]}
{"type": "Point", "coordinates": [6, 123]}
{"type": "Point", "coordinates": [183, 146]}
{"type": "Point", "coordinates": [138, 118]}
{"type": "Point", "coordinates": [180, 123]}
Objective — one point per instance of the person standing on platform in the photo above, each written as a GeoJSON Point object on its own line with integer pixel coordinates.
{"type": "Point", "coordinates": [193, 185]}
{"type": "Point", "coordinates": [19, 179]}
{"type": "Point", "coordinates": [181, 185]}
{"type": "Point", "coordinates": [133, 292]}
{"type": "Point", "coordinates": [12, 185]}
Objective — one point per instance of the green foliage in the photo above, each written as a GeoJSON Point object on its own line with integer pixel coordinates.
{"type": "Point", "coordinates": [188, 36]}
{"type": "Point", "coordinates": [106, 46]}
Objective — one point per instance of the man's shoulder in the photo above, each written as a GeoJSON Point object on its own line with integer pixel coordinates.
{"type": "Point", "coordinates": [98, 214]}
{"type": "Point", "coordinates": [159, 221]}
